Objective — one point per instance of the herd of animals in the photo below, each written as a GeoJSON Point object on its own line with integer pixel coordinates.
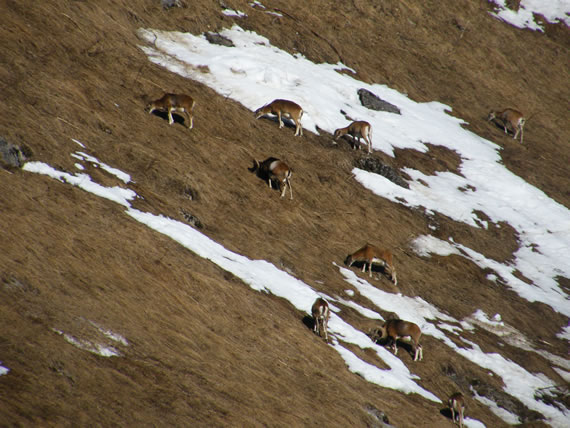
{"type": "Point", "coordinates": [273, 169]}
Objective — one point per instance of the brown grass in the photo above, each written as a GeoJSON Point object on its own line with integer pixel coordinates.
{"type": "Point", "coordinates": [204, 349]}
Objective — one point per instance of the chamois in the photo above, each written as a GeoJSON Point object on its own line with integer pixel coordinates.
{"type": "Point", "coordinates": [369, 254]}
{"type": "Point", "coordinates": [457, 407]}
{"type": "Point", "coordinates": [395, 329]}
{"type": "Point", "coordinates": [274, 169]}
{"type": "Point", "coordinates": [321, 315]}
{"type": "Point", "coordinates": [511, 117]}
{"type": "Point", "coordinates": [356, 130]}
{"type": "Point", "coordinates": [283, 108]}
{"type": "Point", "coordinates": [174, 103]}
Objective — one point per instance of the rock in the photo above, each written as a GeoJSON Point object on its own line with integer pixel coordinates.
{"type": "Point", "coordinates": [191, 219]}
{"type": "Point", "coordinates": [371, 101]}
{"type": "Point", "coordinates": [218, 39]}
{"type": "Point", "coordinates": [11, 156]}
{"type": "Point", "coordinates": [167, 4]}
{"type": "Point", "coordinates": [379, 418]}
{"type": "Point", "coordinates": [376, 166]}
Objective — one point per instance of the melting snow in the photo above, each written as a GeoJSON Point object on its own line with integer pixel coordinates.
{"type": "Point", "coordinates": [87, 345]}
{"type": "Point", "coordinates": [3, 370]}
{"type": "Point", "coordinates": [554, 11]}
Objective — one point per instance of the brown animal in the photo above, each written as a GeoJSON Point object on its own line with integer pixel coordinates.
{"type": "Point", "coordinates": [511, 117]}
{"type": "Point", "coordinates": [174, 103]}
{"type": "Point", "coordinates": [283, 108]}
{"type": "Point", "coordinates": [321, 315]}
{"type": "Point", "coordinates": [457, 406]}
{"type": "Point", "coordinates": [394, 329]}
{"type": "Point", "coordinates": [356, 130]}
{"type": "Point", "coordinates": [274, 169]}
{"type": "Point", "coordinates": [369, 254]}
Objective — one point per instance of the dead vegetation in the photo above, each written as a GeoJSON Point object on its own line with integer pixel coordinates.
{"type": "Point", "coordinates": [204, 349]}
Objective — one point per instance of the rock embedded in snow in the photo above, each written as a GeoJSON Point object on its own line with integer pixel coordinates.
{"type": "Point", "coordinates": [373, 102]}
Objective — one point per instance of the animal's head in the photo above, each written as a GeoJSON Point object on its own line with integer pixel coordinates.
{"type": "Point", "coordinates": [149, 105]}
{"type": "Point", "coordinates": [259, 112]}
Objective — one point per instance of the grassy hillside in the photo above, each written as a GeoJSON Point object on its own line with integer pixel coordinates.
{"type": "Point", "coordinates": [203, 348]}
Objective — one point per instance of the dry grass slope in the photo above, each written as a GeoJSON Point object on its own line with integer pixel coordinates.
{"type": "Point", "coordinates": [204, 349]}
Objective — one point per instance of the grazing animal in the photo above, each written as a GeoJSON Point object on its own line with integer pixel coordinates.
{"type": "Point", "coordinates": [283, 108]}
{"type": "Point", "coordinates": [511, 117]}
{"type": "Point", "coordinates": [369, 254]}
{"type": "Point", "coordinates": [274, 169]}
{"type": "Point", "coordinates": [174, 103]}
{"type": "Point", "coordinates": [394, 329]}
{"type": "Point", "coordinates": [457, 406]}
{"type": "Point", "coordinates": [321, 315]}
{"type": "Point", "coordinates": [356, 130]}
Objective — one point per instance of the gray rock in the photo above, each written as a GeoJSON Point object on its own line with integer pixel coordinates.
{"type": "Point", "coordinates": [191, 219]}
{"type": "Point", "coordinates": [11, 155]}
{"type": "Point", "coordinates": [167, 4]}
{"type": "Point", "coordinates": [371, 101]}
{"type": "Point", "coordinates": [376, 166]}
{"type": "Point", "coordinates": [379, 418]}
{"type": "Point", "coordinates": [218, 39]}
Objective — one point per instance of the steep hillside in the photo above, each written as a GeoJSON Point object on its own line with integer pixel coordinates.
{"type": "Point", "coordinates": [199, 347]}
